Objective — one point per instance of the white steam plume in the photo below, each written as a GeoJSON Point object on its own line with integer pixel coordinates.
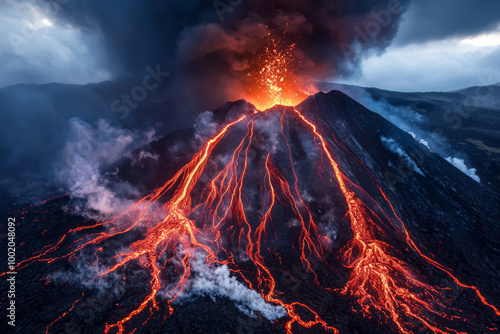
{"type": "Point", "coordinates": [460, 164]}
{"type": "Point", "coordinates": [217, 281]}
{"type": "Point", "coordinates": [88, 153]}
{"type": "Point", "coordinates": [394, 147]}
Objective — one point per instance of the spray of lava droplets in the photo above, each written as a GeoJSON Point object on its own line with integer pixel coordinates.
{"type": "Point", "coordinates": [274, 80]}
{"type": "Point", "coordinates": [182, 222]}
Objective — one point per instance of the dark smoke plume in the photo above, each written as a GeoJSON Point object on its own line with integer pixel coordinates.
{"type": "Point", "coordinates": [212, 47]}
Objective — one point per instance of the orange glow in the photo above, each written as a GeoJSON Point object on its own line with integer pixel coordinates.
{"type": "Point", "coordinates": [275, 82]}
{"type": "Point", "coordinates": [64, 314]}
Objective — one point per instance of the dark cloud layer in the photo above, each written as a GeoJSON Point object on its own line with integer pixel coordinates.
{"type": "Point", "coordinates": [430, 20]}
{"type": "Point", "coordinates": [134, 34]}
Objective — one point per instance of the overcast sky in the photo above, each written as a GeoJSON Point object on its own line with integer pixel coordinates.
{"type": "Point", "coordinates": [34, 48]}
{"type": "Point", "coordinates": [441, 45]}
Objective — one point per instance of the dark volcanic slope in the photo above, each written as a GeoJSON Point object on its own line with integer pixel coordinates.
{"type": "Point", "coordinates": [449, 215]}
{"type": "Point", "coordinates": [442, 206]}
{"type": "Point", "coordinates": [462, 123]}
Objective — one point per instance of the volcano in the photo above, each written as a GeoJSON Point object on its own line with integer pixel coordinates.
{"type": "Point", "coordinates": [317, 218]}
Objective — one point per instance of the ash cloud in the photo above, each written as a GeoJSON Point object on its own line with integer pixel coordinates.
{"type": "Point", "coordinates": [428, 20]}
{"type": "Point", "coordinates": [211, 46]}
{"type": "Point", "coordinates": [209, 60]}
{"type": "Point", "coordinates": [330, 38]}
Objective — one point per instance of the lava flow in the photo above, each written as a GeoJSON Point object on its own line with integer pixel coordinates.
{"type": "Point", "coordinates": [224, 207]}
{"type": "Point", "coordinates": [382, 282]}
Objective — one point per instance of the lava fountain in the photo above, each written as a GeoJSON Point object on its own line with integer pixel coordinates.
{"type": "Point", "coordinates": [274, 79]}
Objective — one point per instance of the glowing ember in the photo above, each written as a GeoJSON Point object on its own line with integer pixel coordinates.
{"type": "Point", "coordinates": [275, 78]}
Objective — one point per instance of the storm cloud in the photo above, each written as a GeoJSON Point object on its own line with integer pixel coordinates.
{"type": "Point", "coordinates": [429, 20]}
{"type": "Point", "coordinates": [440, 46]}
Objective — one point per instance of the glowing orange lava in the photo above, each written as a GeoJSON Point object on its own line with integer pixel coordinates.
{"type": "Point", "coordinates": [275, 81]}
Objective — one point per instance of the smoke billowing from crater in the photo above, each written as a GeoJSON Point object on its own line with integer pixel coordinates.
{"type": "Point", "coordinates": [214, 49]}
{"type": "Point", "coordinates": [328, 40]}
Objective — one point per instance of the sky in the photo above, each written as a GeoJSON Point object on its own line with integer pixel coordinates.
{"type": "Point", "coordinates": [440, 45]}
{"type": "Point", "coordinates": [36, 49]}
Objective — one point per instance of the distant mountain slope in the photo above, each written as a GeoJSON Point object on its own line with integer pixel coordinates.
{"type": "Point", "coordinates": [34, 119]}
{"type": "Point", "coordinates": [462, 124]}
